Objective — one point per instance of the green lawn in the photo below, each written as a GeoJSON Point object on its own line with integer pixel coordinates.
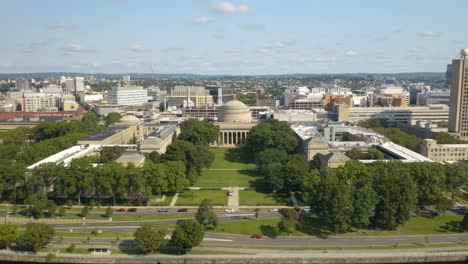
{"type": "Point", "coordinates": [217, 197]}
{"type": "Point", "coordinates": [312, 226]}
{"type": "Point", "coordinates": [232, 158]}
{"type": "Point", "coordinates": [251, 197]}
{"type": "Point", "coordinates": [231, 167]}
{"type": "Point", "coordinates": [227, 178]}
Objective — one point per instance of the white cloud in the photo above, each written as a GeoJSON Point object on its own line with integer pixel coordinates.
{"type": "Point", "coordinates": [63, 25]}
{"type": "Point", "coordinates": [351, 53]}
{"type": "Point", "coordinates": [136, 48]}
{"type": "Point", "coordinates": [263, 50]}
{"type": "Point", "coordinates": [227, 8]}
{"type": "Point", "coordinates": [203, 20]}
{"type": "Point", "coordinates": [429, 34]}
{"type": "Point", "coordinates": [71, 49]}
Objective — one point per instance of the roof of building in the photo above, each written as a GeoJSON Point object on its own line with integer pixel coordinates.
{"type": "Point", "coordinates": [103, 134]}
{"type": "Point", "coordinates": [335, 157]}
{"type": "Point", "coordinates": [129, 119]}
{"type": "Point", "coordinates": [234, 111]}
{"type": "Point", "coordinates": [132, 157]}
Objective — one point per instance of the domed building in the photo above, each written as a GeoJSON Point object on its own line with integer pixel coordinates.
{"type": "Point", "coordinates": [235, 122]}
{"type": "Point", "coordinates": [234, 112]}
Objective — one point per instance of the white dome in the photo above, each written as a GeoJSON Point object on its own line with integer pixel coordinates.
{"type": "Point", "coordinates": [234, 112]}
{"type": "Point", "coordinates": [464, 52]}
{"type": "Point", "coordinates": [129, 119]}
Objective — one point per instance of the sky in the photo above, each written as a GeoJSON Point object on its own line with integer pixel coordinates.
{"type": "Point", "coordinates": [231, 37]}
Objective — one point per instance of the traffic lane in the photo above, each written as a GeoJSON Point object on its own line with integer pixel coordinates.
{"type": "Point", "coordinates": [138, 223]}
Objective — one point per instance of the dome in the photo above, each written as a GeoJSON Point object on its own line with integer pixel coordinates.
{"type": "Point", "coordinates": [234, 112]}
{"type": "Point", "coordinates": [129, 119]}
{"type": "Point", "coordinates": [464, 52]}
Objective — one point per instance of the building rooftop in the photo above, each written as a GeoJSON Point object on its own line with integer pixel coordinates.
{"type": "Point", "coordinates": [103, 134]}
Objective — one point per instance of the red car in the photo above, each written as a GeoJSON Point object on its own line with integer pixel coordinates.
{"type": "Point", "coordinates": [120, 210]}
{"type": "Point", "coordinates": [258, 236]}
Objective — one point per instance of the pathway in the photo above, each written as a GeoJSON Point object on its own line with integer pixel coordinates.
{"type": "Point", "coordinates": [233, 201]}
{"type": "Point", "coordinates": [174, 200]}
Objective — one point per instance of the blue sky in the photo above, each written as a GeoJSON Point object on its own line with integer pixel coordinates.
{"type": "Point", "coordinates": [231, 37]}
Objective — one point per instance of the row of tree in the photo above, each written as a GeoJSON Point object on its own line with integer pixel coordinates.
{"type": "Point", "coordinates": [382, 194]}
{"type": "Point", "coordinates": [34, 237]}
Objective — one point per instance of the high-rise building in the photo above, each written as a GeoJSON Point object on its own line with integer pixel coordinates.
{"type": "Point", "coordinates": [126, 79]}
{"type": "Point", "coordinates": [448, 75]}
{"type": "Point", "coordinates": [127, 95]}
{"type": "Point", "coordinates": [23, 84]}
{"type": "Point", "coordinates": [69, 85]}
{"type": "Point", "coordinates": [458, 117]}
{"type": "Point", "coordinates": [79, 85]}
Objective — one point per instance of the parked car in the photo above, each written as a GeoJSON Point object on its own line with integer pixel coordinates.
{"type": "Point", "coordinates": [163, 210]}
{"type": "Point", "coordinates": [257, 236]}
{"type": "Point", "coordinates": [132, 210]}
{"type": "Point", "coordinates": [182, 210]}
{"type": "Point", "coordinates": [120, 210]}
{"type": "Point", "coordinates": [273, 210]}
{"type": "Point", "coordinates": [229, 210]}
{"type": "Point", "coordinates": [230, 193]}
{"type": "Point", "coordinates": [307, 209]}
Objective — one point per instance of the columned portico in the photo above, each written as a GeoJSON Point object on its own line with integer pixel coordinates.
{"type": "Point", "coordinates": [235, 122]}
{"type": "Point", "coordinates": [233, 138]}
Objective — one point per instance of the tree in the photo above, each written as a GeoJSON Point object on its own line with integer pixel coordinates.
{"type": "Point", "coordinates": [108, 154]}
{"type": "Point", "coordinates": [198, 132]}
{"type": "Point", "coordinates": [354, 154]}
{"type": "Point", "coordinates": [288, 221]}
{"type": "Point", "coordinates": [9, 234]}
{"type": "Point", "coordinates": [334, 202]}
{"type": "Point", "coordinates": [109, 211]}
{"type": "Point", "coordinates": [111, 118]}
{"type": "Point", "coordinates": [51, 207]}
{"type": "Point", "coordinates": [272, 134]}
{"type": "Point", "coordinates": [36, 236]}
{"type": "Point", "coordinates": [149, 237]}
{"type": "Point", "coordinates": [85, 211]}
{"type": "Point", "coordinates": [205, 214]}
{"type": "Point", "coordinates": [114, 176]}
{"type": "Point", "coordinates": [397, 194]}
{"type": "Point", "coordinates": [430, 181]}
{"type": "Point", "coordinates": [443, 204]}
{"type": "Point", "coordinates": [188, 234]}
{"type": "Point", "coordinates": [62, 211]}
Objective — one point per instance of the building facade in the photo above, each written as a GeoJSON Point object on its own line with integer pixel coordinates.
{"type": "Point", "coordinates": [235, 122]}
{"type": "Point", "coordinates": [444, 152]}
{"type": "Point", "coordinates": [127, 95]}
{"type": "Point", "coordinates": [458, 120]}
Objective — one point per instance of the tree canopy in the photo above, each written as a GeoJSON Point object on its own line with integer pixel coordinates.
{"type": "Point", "coordinates": [36, 236]}
{"type": "Point", "coordinates": [188, 234]}
{"type": "Point", "coordinates": [149, 237]}
{"type": "Point", "coordinates": [198, 132]}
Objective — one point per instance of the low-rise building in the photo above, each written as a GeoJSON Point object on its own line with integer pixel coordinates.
{"type": "Point", "coordinates": [444, 152]}
{"type": "Point", "coordinates": [160, 139]}
{"type": "Point", "coordinates": [131, 157]}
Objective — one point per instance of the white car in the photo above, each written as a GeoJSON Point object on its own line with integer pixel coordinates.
{"type": "Point", "coordinates": [229, 210]}
{"type": "Point", "coordinates": [307, 209]}
{"type": "Point", "coordinates": [273, 210]}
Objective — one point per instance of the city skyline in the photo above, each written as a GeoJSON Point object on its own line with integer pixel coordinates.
{"type": "Point", "coordinates": [234, 38]}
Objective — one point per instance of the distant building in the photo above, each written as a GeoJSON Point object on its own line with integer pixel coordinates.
{"type": "Point", "coordinates": [190, 96]}
{"type": "Point", "coordinates": [39, 103]}
{"type": "Point", "coordinates": [127, 95]}
{"type": "Point", "coordinates": [407, 115]}
{"type": "Point", "coordinates": [23, 84]}
{"type": "Point", "coordinates": [79, 85]}
{"type": "Point", "coordinates": [160, 139]}
{"type": "Point", "coordinates": [126, 79]}
{"type": "Point", "coordinates": [458, 121]}
{"type": "Point", "coordinates": [433, 97]}
{"type": "Point", "coordinates": [69, 85]}
{"type": "Point", "coordinates": [235, 122]}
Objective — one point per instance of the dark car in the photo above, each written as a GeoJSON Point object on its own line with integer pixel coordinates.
{"type": "Point", "coordinates": [132, 210]}
{"type": "Point", "coordinates": [163, 210]}
{"type": "Point", "coordinates": [257, 236]}
{"type": "Point", "coordinates": [120, 210]}
{"type": "Point", "coordinates": [182, 210]}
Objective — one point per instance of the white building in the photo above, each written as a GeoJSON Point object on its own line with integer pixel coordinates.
{"type": "Point", "coordinates": [39, 102]}
{"type": "Point", "coordinates": [127, 95]}
{"type": "Point", "coordinates": [79, 84]}
{"type": "Point", "coordinates": [433, 97]}
{"type": "Point", "coordinates": [69, 85]}
{"type": "Point", "coordinates": [126, 79]}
